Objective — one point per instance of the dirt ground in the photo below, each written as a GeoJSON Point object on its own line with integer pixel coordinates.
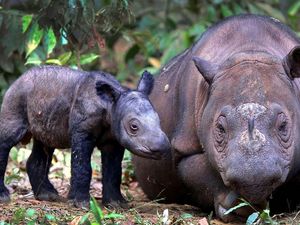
{"type": "Point", "coordinates": [142, 211]}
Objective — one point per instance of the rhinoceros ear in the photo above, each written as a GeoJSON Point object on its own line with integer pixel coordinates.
{"type": "Point", "coordinates": [291, 63]}
{"type": "Point", "coordinates": [146, 83]}
{"type": "Point", "coordinates": [106, 92]}
{"type": "Point", "coordinates": [207, 69]}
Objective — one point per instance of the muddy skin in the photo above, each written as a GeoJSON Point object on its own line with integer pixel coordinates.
{"type": "Point", "coordinates": [63, 108]}
{"type": "Point", "coordinates": [232, 113]}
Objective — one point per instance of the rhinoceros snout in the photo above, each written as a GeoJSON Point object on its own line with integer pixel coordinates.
{"type": "Point", "coordinates": [255, 186]}
{"type": "Point", "coordinates": [161, 147]}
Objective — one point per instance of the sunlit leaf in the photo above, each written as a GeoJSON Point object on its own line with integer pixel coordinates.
{"type": "Point", "coordinates": [34, 39]}
{"type": "Point", "coordinates": [30, 213]}
{"type": "Point", "coordinates": [26, 20]}
{"type": "Point", "coordinates": [154, 62]}
{"type": "Point", "coordinates": [53, 61]}
{"type": "Point", "coordinates": [33, 59]}
{"type": "Point", "coordinates": [242, 204]}
{"type": "Point", "coordinates": [85, 219]}
{"type": "Point", "coordinates": [50, 217]}
{"type": "Point", "coordinates": [265, 214]}
{"type": "Point", "coordinates": [97, 212]}
{"type": "Point", "coordinates": [186, 216]}
{"type": "Point", "coordinates": [294, 8]}
{"type": "Point", "coordinates": [50, 41]}
{"type": "Point", "coordinates": [64, 58]}
{"type": "Point", "coordinates": [252, 218]}
{"type": "Point", "coordinates": [88, 58]}
{"type": "Point", "coordinates": [13, 154]}
{"type": "Point", "coordinates": [113, 216]}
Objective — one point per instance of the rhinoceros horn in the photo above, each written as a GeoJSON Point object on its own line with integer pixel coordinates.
{"type": "Point", "coordinates": [291, 63]}
{"type": "Point", "coordinates": [206, 68]}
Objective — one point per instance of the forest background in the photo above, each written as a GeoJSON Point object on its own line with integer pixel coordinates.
{"type": "Point", "coordinates": [122, 37]}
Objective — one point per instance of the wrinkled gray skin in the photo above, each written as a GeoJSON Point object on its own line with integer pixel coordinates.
{"type": "Point", "coordinates": [230, 107]}
{"type": "Point", "coordinates": [62, 108]}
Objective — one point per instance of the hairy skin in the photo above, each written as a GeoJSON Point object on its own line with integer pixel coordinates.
{"type": "Point", "coordinates": [62, 108]}
{"type": "Point", "coordinates": [231, 112]}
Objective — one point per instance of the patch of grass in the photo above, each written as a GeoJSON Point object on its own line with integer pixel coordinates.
{"type": "Point", "coordinates": [30, 217]}
{"type": "Point", "coordinates": [99, 217]}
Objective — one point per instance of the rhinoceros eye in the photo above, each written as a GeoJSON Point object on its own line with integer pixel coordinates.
{"type": "Point", "coordinates": [283, 130]}
{"type": "Point", "coordinates": [220, 134]}
{"type": "Point", "coordinates": [133, 126]}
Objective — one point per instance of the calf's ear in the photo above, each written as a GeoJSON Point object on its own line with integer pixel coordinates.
{"type": "Point", "coordinates": [146, 83]}
{"type": "Point", "coordinates": [106, 92]}
{"type": "Point", "coordinates": [291, 63]}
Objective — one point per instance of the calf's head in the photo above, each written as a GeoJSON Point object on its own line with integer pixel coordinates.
{"type": "Point", "coordinates": [250, 125]}
{"type": "Point", "coordinates": [134, 122]}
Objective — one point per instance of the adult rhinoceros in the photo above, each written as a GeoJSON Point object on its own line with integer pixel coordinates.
{"type": "Point", "coordinates": [230, 105]}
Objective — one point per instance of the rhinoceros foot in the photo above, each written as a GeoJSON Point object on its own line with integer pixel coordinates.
{"type": "Point", "coordinates": [49, 196]}
{"type": "Point", "coordinates": [4, 195]}
{"type": "Point", "coordinates": [117, 204]}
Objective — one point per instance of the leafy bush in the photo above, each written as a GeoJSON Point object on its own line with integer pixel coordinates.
{"type": "Point", "coordinates": [120, 36]}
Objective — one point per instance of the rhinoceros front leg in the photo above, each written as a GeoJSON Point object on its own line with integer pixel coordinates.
{"type": "Point", "coordinates": [207, 188]}
{"type": "Point", "coordinates": [81, 170]}
{"type": "Point", "coordinates": [112, 156]}
{"type": "Point", "coordinates": [38, 166]}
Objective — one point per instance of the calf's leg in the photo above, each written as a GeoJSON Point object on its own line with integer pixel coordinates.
{"type": "Point", "coordinates": [112, 156]}
{"type": "Point", "coordinates": [38, 166]}
{"type": "Point", "coordinates": [81, 170]}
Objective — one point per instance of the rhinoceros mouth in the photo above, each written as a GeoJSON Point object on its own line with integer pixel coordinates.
{"type": "Point", "coordinates": [147, 153]}
{"type": "Point", "coordinates": [255, 193]}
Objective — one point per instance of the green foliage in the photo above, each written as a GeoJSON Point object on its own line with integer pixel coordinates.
{"type": "Point", "coordinates": [257, 217]}
{"type": "Point", "coordinates": [128, 171]}
{"type": "Point", "coordinates": [99, 217]}
{"type": "Point", "coordinates": [29, 217]}
{"type": "Point", "coordinates": [82, 33]}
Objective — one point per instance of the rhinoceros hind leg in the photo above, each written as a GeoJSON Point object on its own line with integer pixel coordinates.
{"type": "Point", "coordinates": [38, 166]}
{"type": "Point", "coordinates": [12, 130]}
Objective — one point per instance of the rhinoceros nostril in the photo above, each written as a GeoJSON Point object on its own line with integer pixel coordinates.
{"type": "Point", "coordinates": [250, 128]}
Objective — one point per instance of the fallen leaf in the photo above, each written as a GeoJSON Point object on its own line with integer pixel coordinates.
{"type": "Point", "coordinates": [203, 221]}
{"type": "Point", "coordinates": [76, 220]}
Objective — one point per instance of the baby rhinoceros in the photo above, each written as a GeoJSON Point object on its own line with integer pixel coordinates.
{"type": "Point", "coordinates": [61, 108]}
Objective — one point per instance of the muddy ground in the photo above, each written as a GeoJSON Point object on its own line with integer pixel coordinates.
{"type": "Point", "coordinates": [142, 210]}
